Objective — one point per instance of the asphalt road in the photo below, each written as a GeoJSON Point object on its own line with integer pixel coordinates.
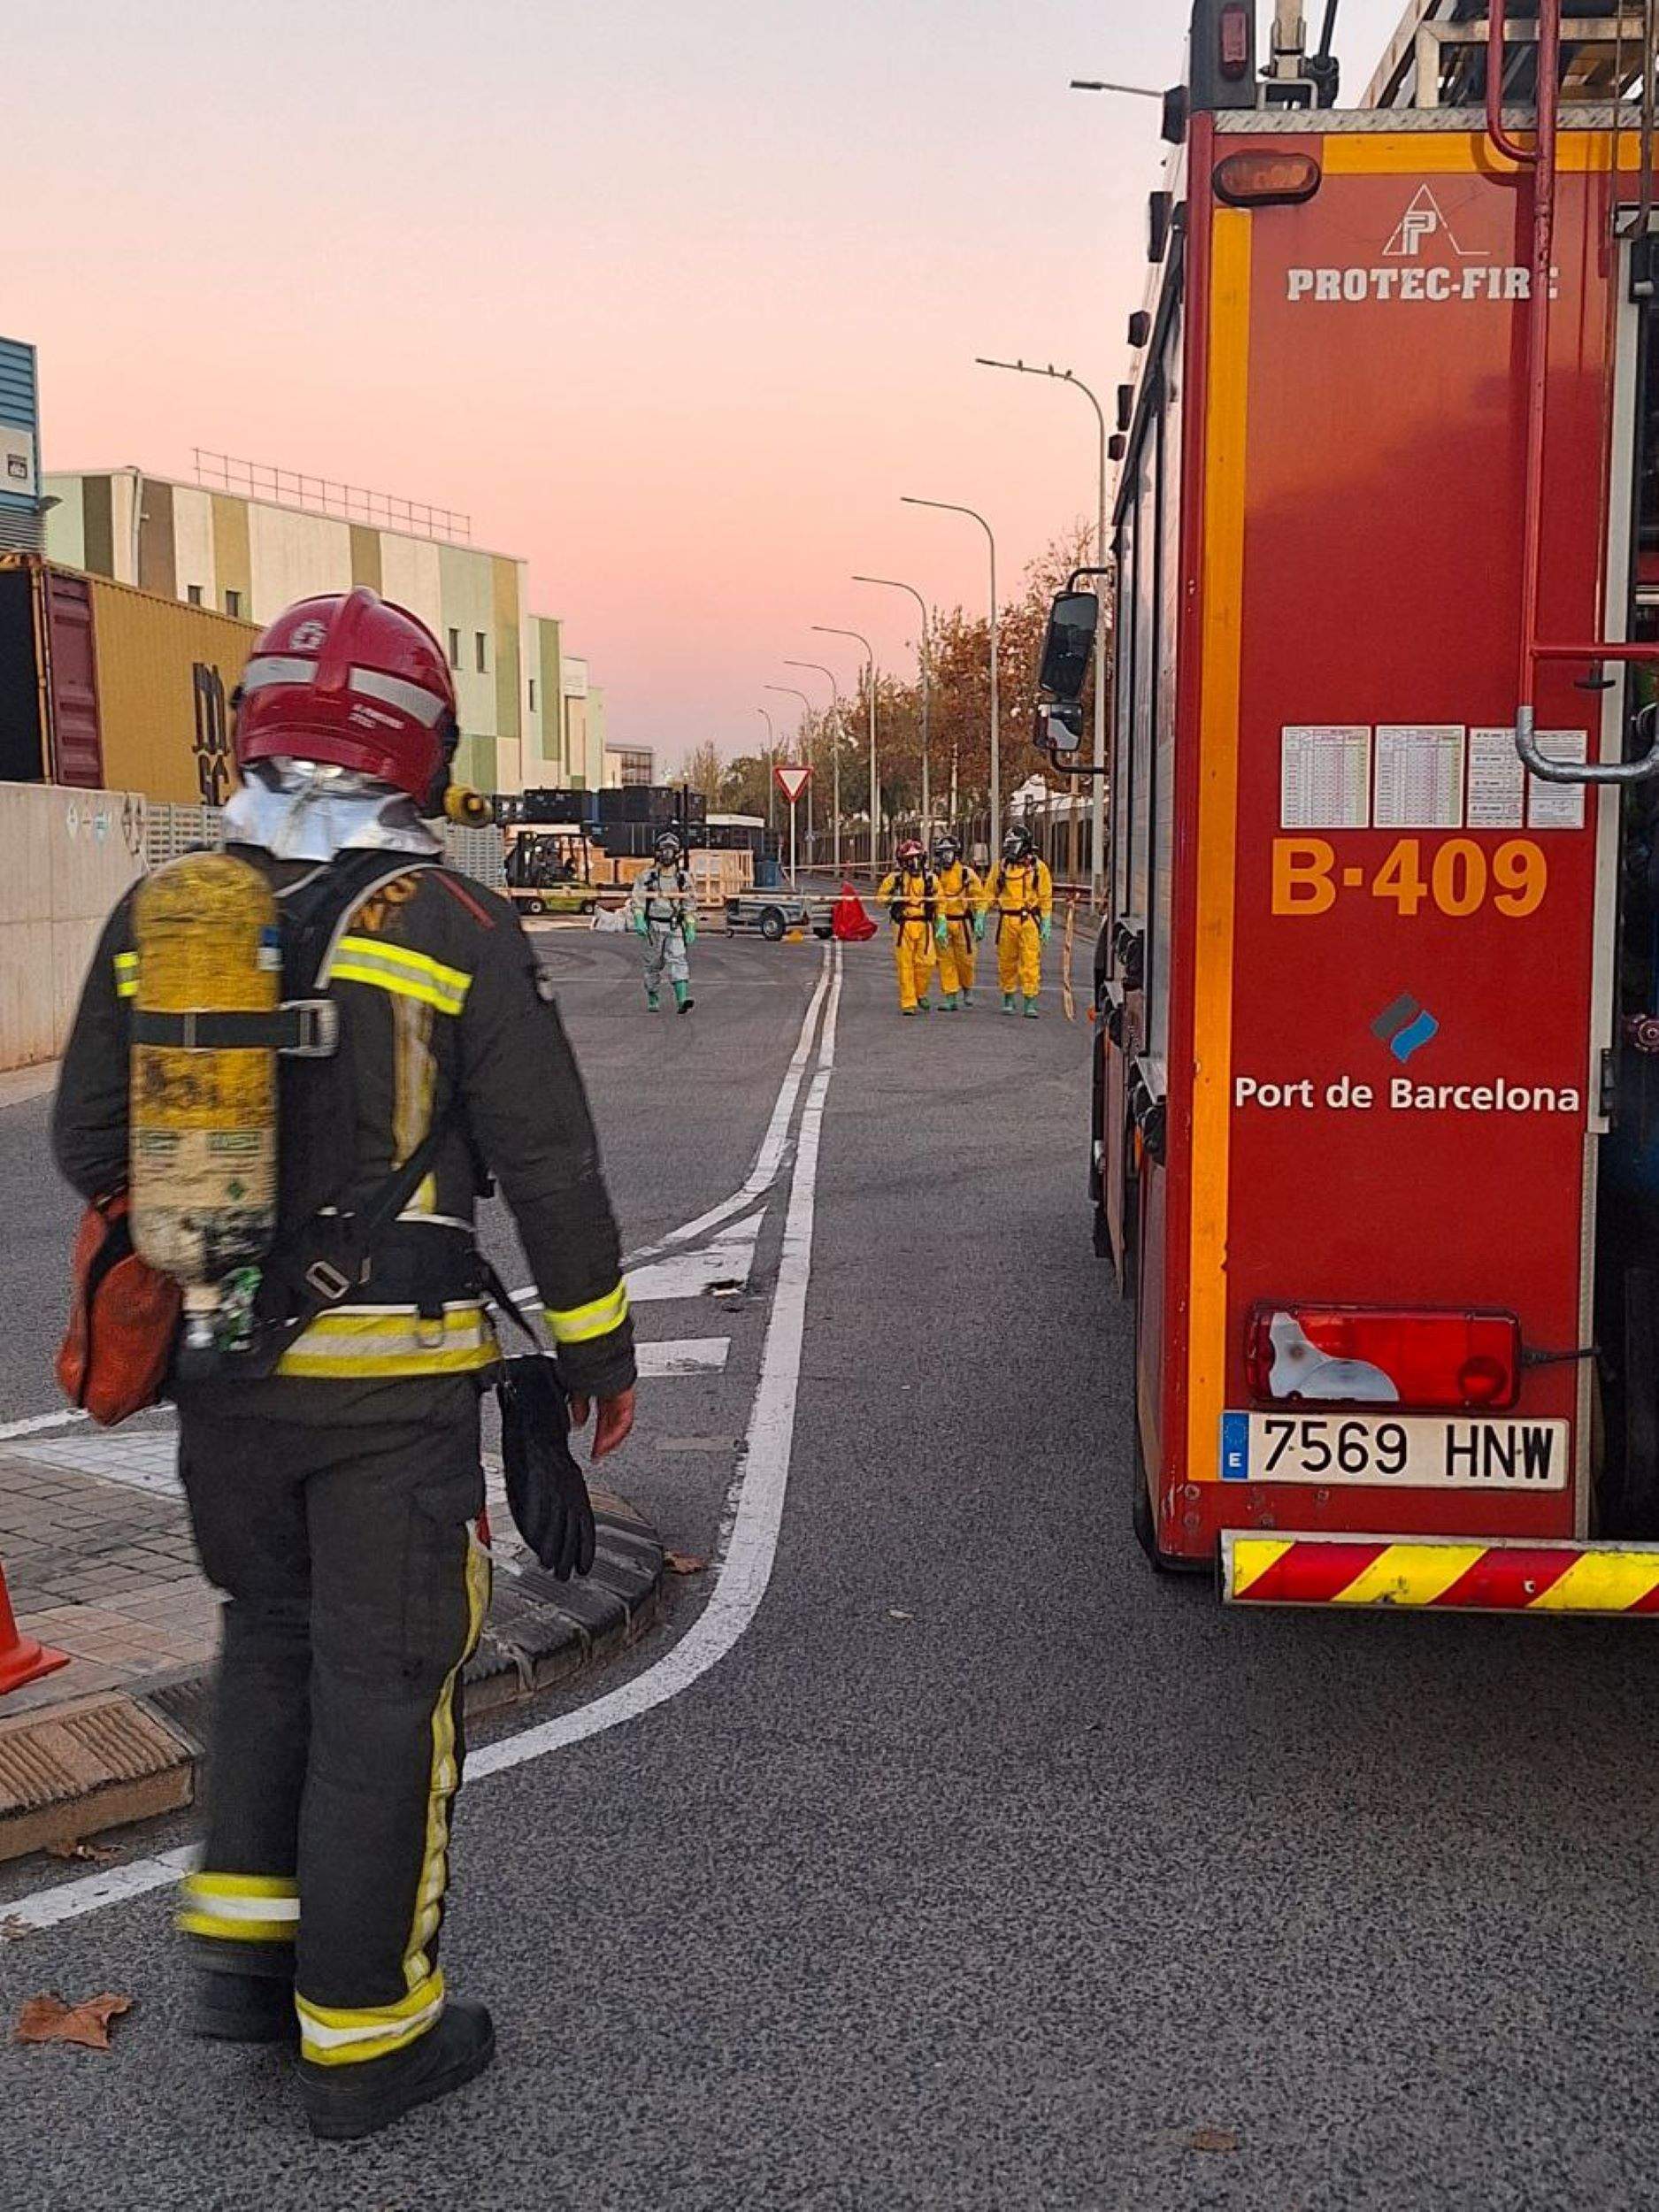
{"type": "Point", "coordinates": [984, 1870]}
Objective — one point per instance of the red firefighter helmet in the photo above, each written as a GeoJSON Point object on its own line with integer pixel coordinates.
{"type": "Point", "coordinates": [351, 679]}
{"type": "Point", "coordinates": [911, 849]}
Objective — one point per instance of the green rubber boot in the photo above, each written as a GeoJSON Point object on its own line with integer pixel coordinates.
{"type": "Point", "coordinates": [947, 1005]}
{"type": "Point", "coordinates": [923, 1006]}
{"type": "Point", "coordinates": [967, 999]}
{"type": "Point", "coordinates": [683, 999]}
{"type": "Point", "coordinates": [1008, 1001]}
{"type": "Point", "coordinates": [652, 1001]}
{"type": "Point", "coordinates": [1031, 1010]}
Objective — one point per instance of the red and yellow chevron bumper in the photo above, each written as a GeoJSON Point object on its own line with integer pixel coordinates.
{"type": "Point", "coordinates": [1449, 1574]}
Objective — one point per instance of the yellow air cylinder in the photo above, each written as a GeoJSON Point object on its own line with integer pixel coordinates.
{"type": "Point", "coordinates": [204, 1139]}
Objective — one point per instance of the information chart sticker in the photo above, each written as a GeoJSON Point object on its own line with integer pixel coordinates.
{"type": "Point", "coordinates": [1420, 776]}
{"type": "Point", "coordinates": [1497, 783]}
{"type": "Point", "coordinates": [1551, 806]}
{"type": "Point", "coordinates": [1325, 776]}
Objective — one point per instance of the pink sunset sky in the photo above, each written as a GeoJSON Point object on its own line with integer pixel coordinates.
{"type": "Point", "coordinates": [675, 300]}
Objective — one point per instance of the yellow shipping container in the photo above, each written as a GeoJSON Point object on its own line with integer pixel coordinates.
{"type": "Point", "coordinates": [166, 670]}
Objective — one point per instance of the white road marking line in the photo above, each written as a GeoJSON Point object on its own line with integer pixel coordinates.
{"type": "Point", "coordinates": [765, 1172]}
{"type": "Point", "coordinates": [729, 1259]}
{"type": "Point", "coordinates": [746, 1553]}
{"type": "Point", "coordinates": [683, 1355]}
{"type": "Point", "coordinates": [109, 1885]}
{"type": "Point", "coordinates": [750, 1545]}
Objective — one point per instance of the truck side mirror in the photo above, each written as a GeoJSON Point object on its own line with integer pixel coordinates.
{"type": "Point", "coordinates": [1067, 645]}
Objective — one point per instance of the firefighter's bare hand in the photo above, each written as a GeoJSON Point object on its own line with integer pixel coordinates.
{"type": "Point", "coordinates": [616, 1419]}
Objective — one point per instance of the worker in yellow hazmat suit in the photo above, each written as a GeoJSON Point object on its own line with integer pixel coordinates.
{"type": "Point", "coordinates": [1020, 890]}
{"type": "Point", "coordinates": [960, 922]}
{"type": "Point", "coordinates": [911, 897]}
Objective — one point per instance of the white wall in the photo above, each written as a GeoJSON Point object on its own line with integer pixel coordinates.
{"type": "Point", "coordinates": [65, 523]}
{"type": "Point", "coordinates": [410, 577]}
{"type": "Point", "coordinates": [193, 544]}
{"type": "Point", "coordinates": [69, 857]}
{"type": "Point", "coordinates": [292, 555]}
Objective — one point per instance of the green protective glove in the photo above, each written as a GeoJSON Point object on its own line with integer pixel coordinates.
{"type": "Point", "coordinates": [641, 927]}
{"type": "Point", "coordinates": [942, 932]}
{"type": "Point", "coordinates": [978, 926]}
{"type": "Point", "coordinates": [689, 924]}
{"type": "Point", "coordinates": [1045, 930]}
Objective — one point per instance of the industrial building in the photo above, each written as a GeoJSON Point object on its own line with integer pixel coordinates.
{"type": "Point", "coordinates": [244, 541]}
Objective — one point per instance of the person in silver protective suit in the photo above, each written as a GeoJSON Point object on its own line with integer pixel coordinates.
{"type": "Point", "coordinates": [663, 911]}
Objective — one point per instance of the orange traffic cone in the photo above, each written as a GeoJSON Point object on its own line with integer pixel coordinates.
{"type": "Point", "coordinates": [21, 1659]}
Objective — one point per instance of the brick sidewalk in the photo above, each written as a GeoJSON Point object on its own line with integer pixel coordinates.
{"type": "Point", "coordinates": [100, 1568]}
{"type": "Point", "coordinates": [99, 1563]}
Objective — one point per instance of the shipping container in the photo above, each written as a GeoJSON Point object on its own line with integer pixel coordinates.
{"type": "Point", "coordinates": [105, 687]}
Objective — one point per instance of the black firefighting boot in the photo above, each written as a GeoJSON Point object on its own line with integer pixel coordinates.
{"type": "Point", "coordinates": [244, 2008]}
{"type": "Point", "coordinates": [343, 2102]}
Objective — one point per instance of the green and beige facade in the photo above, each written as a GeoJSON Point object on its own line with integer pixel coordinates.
{"type": "Point", "coordinates": [529, 715]}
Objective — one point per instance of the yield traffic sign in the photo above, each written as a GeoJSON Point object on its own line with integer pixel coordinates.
{"type": "Point", "coordinates": [792, 781]}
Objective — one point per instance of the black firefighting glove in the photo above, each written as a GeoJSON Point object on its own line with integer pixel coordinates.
{"type": "Point", "coordinates": [545, 1486]}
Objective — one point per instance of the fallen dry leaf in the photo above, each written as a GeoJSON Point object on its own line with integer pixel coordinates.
{"type": "Point", "coordinates": [1212, 2140]}
{"type": "Point", "coordinates": [898, 1613]}
{"type": "Point", "coordinates": [12, 1929]}
{"type": "Point", "coordinates": [49, 2020]}
{"type": "Point", "coordinates": [683, 1562]}
{"type": "Point", "coordinates": [100, 1854]}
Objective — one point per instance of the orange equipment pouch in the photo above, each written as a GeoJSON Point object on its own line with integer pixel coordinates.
{"type": "Point", "coordinates": [122, 1321]}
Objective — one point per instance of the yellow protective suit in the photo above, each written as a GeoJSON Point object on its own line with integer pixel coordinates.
{"type": "Point", "coordinates": [1022, 894]}
{"type": "Point", "coordinates": [961, 902]}
{"type": "Point", "coordinates": [911, 896]}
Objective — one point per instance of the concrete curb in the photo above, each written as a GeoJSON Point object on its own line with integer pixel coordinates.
{"type": "Point", "coordinates": [69, 1771]}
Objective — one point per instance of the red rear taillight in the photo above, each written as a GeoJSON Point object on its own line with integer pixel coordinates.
{"type": "Point", "coordinates": [1234, 27]}
{"type": "Point", "coordinates": [1355, 1354]}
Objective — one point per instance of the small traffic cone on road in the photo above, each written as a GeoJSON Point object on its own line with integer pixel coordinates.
{"type": "Point", "coordinates": [21, 1659]}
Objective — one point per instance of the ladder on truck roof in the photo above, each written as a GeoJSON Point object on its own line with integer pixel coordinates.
{"type": "Point", "coordinates": [1549, 50]}
{"type": "Point", "coordinates": [1437, 57]}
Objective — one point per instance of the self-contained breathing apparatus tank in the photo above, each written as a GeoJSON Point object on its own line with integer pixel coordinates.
{"type": "Point", "coordinates": [208, 1022]}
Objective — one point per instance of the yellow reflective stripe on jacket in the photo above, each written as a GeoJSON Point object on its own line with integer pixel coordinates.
{"type": "Point", "coordinates": [579, 1325]}
{"type": "Point", "coordinates": [331, 2037]}
{"type": "Point", "coordinates": [395, 968]}
{"type": "Point", "coordinates": [360, 1342]}
{"type": "Point", "coordinates": [127, 975]}
{"type": "Point", "coordinates": [240, 1907]}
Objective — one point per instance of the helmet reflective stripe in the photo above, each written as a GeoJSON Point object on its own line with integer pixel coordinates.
{"type": "Point", "coordinates": [278, 668]}
{"type": "Point", "coordinates": [426, 707]}
{"type": "Point", "coordinates": [289, 668]}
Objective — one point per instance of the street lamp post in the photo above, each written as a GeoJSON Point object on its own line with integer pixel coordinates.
{"type": "Point", "coordinates": [1097, 803]}
{"type": "Point", "coordinates": [771, 763]}
{"type": "Point", "coordinates": [826, 629]}
{"type": "Point", "coordinates": [835, 756]}
{"type": "Point", "coordinates": [949, 507]}
{"type": "Point", "coordinates": [791, 693]}
{"type": "Point", "coordinates": [923, 657]}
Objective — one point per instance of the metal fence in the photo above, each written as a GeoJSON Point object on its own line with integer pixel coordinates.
{"type": "Point", "coordinates": [172, 830]}
{"type": "Point", "coordinates": [327, 495]}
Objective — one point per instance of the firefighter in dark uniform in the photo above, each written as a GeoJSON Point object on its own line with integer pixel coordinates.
{"type": "Point", "coordinates": [334, 1498]}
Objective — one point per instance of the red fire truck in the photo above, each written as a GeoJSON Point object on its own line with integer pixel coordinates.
{"type": "Point", "coordinates": [1376, 1143]}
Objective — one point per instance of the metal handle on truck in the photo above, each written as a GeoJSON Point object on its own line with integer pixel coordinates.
{"type": "Point", "coordinates": [1551, 770]}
